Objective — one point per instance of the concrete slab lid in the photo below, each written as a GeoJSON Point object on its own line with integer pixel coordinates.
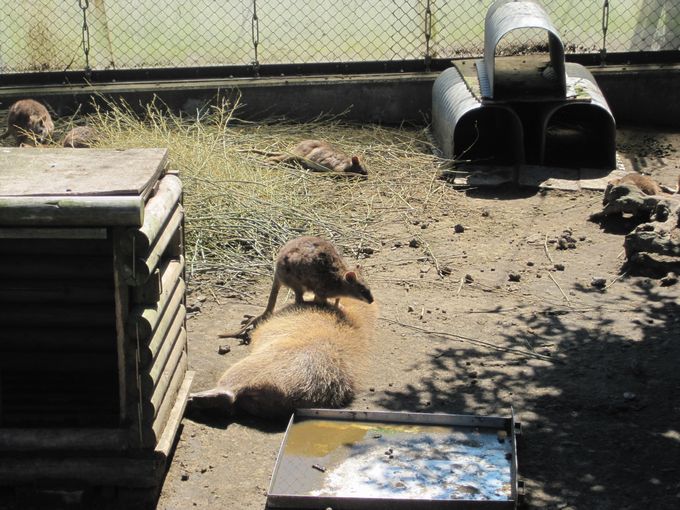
{"type": "Point", "coordinates": [78, 172]}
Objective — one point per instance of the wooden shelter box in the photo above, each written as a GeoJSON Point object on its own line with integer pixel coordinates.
{"type": "Point", "coordinates": [93, 344]}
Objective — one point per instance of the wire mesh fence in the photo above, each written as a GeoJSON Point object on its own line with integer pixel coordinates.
{"type": "Point", "coordinates": [57, 35]}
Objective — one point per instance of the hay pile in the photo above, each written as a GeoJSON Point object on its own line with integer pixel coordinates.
{"type": "Point", "coordinates": [240, 209]}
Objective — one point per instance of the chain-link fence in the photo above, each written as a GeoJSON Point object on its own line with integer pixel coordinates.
{"type": "Point", "coordinates": [57, 35]}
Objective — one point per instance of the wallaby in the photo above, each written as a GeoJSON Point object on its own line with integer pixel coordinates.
{"type": "Point", "coordinates": [81, 137]}
{"type": "Point", "coordinates": [319, 156]}
{"type": "Point", "coordinates": [311, 264]}
{"type": "Point", "coordinates": [29, 122]}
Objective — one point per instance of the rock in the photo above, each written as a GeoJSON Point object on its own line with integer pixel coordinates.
{"type": "Point", "coordinates": [424, 225]}
{"type": "Point", "coordinates": [366, 250]}
{"type": "Point", "coordinates": [629, 395]}
{"type": "Point", "coordinates": [598, 283]}
{"type": "Point", "coordinates": [201, 298]}
{"type": "Point", "coordinates": [397, 244]}
{"type": "Point", "coordinates": [559, 267]}
{"type": "Point", "coordinates": [529, 263]}
{"type": "Point", "coordinates": [485, 213]}
{"type": "Point", "coordinates": [410, 308]}
{"type": "Point", "coordinates": [223, 349]}
{"type": "Point", "coordinates": [514, 277]}
{"type": "Point", "coordinates": [195, 307]}
{"type": "Point", "coordinates": [445, 271]}
{"type": "Point", "coordinates": [184, 477]}
{"type": "Point", "coordinates": [469, 278]}
{"type": "Point", "coordinates": [414, 243]}
{"type": "Point", "coordinates": [458, 228]}
{"type": "Point", "coordinates": [562, 244]}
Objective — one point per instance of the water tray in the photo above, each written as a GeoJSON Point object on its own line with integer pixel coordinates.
{"type": "Point", "coordinates": [344, 459]}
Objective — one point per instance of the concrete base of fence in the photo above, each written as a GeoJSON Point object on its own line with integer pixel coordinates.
{"type": "Point", "coordinates": [641, 94]}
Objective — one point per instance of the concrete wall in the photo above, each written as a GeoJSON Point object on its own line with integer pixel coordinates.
{"type": "Point", "coordinates": [641, 94]}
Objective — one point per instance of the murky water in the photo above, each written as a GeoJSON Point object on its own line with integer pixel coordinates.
{"type": "Point", "coordinates": [381, 460]}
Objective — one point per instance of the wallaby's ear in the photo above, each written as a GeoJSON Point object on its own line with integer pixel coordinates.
{"type": "Point", "coordinates": [350, 276]}
{"type": "Point", "coordinates": [355, 160]}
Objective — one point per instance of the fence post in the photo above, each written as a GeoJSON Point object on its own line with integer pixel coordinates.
{"type": "Point", "coordinates": [255, 32]}
{"type": "Point", "coordinates": [100, 23]}
{"type": "Point", "coordinates": [428, 34]}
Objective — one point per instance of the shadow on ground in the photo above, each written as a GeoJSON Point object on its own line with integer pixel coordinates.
{"type": "Point", "coordinates": [601, 422]}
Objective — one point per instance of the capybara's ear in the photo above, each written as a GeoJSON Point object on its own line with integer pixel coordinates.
{"type": "Point", "coordinates": [350, 276]}
{"type": "Point", "coordinates": [355, 160]}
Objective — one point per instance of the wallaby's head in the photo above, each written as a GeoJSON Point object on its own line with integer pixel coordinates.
{"type": "Point", "coordinates": [356, 286]}
{"type": "Point", "coordinates": [356, 167]}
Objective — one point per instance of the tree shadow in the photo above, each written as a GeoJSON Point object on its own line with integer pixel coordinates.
{"type": "Point", "coordinates": [600, 421]}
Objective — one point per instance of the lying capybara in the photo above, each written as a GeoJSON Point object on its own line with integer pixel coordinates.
{"type": "Point", "coordinates": [306, 355]}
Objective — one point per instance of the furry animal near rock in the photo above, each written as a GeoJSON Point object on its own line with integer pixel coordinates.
{"type": "Point", "coordinates": [29, 122]}
{"type": "Point", "coordinates": [307, 355]}
{"type": "Point", "coordinates": [311, 264]}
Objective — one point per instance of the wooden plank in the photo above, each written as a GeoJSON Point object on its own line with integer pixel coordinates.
{"type": "Point", "coordinates": [168, 330]}
{"type": "Point", "coordinates": [100, 471]}
{"type": "Point", "coordinates": [43, 247]}
{"type": "Point", "coordinates": [53, 233]}
{"type": "Point", "coordinates": [157, 213]}
{"type": "Point", "coordinates": [175, 369]}
{"type": "Point", "coordinates": [29, 338]}
{"type": "Point", "coordinates": [167, 422]}
{"type": "Point", "coordinates": [57, 362]}
{"type": "Point", "coordinates": [174, 312]}
{"type": "Point", "coordinates": [72, 211]}
{"type": "Point", "coordinates": [56, 314]}
{"type": "Point", "coordinates": [138, 269]}
{"type": "Point", "coordinates": [56, 291]}
{"type": "Point", "coordinates": [55, 172]}
{"type": "Point", "coordinates": [175, 341]}
{"type": "Point", "coordinates": [20, 439]}
{"type": "Point", "coordinates": [149, 292]}
{"type": "Point", "coordinates": [143, 320]}
{"type": "Point", "coordinates": [55, 267]}
{"type": "Point", "coordinates": [121, 297]}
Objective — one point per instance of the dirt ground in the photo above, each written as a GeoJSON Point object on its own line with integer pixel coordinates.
{"type": "Point", "coordinates": [591, 374]}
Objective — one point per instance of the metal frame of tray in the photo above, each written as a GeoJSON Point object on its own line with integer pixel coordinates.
{"type": "Point", "coordinates": [292, 500]}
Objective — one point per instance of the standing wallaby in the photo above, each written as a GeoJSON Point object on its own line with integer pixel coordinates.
{"type": "Point", "coordinates": [311, 264]}
{"type": "Point", "coordinates": [307, 355]}
{"type": "Point", "coordinates": [29, 122]}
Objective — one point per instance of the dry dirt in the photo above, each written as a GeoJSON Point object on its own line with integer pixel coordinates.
{"type": "Point", "coordinates": [591, 374]}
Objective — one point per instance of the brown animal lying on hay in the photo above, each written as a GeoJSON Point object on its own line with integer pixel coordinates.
{"type": "Point", "coordinates": [81, 137]}
{"type": "Point", "coordinates": [307, 355]}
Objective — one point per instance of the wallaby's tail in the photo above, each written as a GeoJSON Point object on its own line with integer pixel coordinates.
{"type": "Point", "coordinates": [276, 286]}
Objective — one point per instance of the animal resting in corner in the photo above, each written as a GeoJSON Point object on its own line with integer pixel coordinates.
{"type": "Point", "coordinates": [81, 137]}
{"type": "Point", "coordinates": [307, 355]}
{"type": "Point", "coordinates": [29, 123]}
{"type": "Point", "coordinates": [311, 264]}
